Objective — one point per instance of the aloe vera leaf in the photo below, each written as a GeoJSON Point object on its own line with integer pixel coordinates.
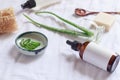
{"type": "Point", "coordinates": [88, 32]}
{"type": "Point", "coordinates": [70, 32]}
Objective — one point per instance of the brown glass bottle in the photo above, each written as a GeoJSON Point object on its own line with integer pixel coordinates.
{"type": "Point", "coordinates": [96, 55]}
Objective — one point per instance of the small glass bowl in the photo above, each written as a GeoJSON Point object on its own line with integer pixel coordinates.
{"type": "Point", "coordinates": [32, 35]}
{"type": "Point", "coordinates": [92, 26]}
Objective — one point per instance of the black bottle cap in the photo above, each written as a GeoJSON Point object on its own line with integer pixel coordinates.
{"type": "Point", "coordinates": [73, 44]}
{"type": "Point", "coordinates": [29, 4]}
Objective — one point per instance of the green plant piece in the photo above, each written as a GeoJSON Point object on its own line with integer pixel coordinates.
{"type": "Point", "coordinates": [70, 32]}
{"type": "Point", "coordinates": [86, 31]}
{"type": "Point", "coordinates": [29, 44]}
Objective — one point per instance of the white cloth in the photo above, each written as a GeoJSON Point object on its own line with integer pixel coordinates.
{"type": "Point", "coordinates": [59, 62]}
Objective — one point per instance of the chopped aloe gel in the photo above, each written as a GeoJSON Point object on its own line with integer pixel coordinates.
{"type": "Point", "coordinates": [29, 44]}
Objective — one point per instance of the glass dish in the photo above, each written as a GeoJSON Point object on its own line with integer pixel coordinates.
{"type": "Point", "coordinates": [97, 30]}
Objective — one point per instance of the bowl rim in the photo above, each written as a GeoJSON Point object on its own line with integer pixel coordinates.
{"type": "Point", "coordinates": [38, 50]}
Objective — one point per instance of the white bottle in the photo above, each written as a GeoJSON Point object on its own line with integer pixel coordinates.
{"type": "Point", "coordinates": [38, 4]}
{"type": "Point", "coordinates": [96, 55]}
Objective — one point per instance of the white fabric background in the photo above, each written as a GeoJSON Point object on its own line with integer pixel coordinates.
{"type": "Point", "coordinates": [59, 62]}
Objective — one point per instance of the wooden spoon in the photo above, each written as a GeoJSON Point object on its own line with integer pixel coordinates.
{"type": "Point", "coordinates": [83, 12]}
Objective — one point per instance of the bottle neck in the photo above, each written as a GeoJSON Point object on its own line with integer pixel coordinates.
{"type": "Point", "coordinates": [75, 45]}
{"type": "Point", "coordinates": [82, 49]}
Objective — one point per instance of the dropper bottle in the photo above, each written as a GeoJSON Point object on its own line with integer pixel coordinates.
{"type": "Point", "coordinates": [96, 55]}
{"type": "Point", "coordinates": [38, 4]}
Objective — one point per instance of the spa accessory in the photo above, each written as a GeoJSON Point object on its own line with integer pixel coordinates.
{"type": "Point", "coordinates": [83, 12]}
{"type": "Point", "coordinates": [96, 55]}
{"type": "Point", "coordinates": [8, 22]}
{"type": "Point", "coordinates": [31, 43]}
{"type": "Point", "coordinates": [38, 4]}
{"type": "Point", "coordinates": [105, 20]}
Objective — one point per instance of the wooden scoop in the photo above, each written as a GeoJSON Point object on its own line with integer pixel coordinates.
{"type": "Point", "coordinates": [83, 12]}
